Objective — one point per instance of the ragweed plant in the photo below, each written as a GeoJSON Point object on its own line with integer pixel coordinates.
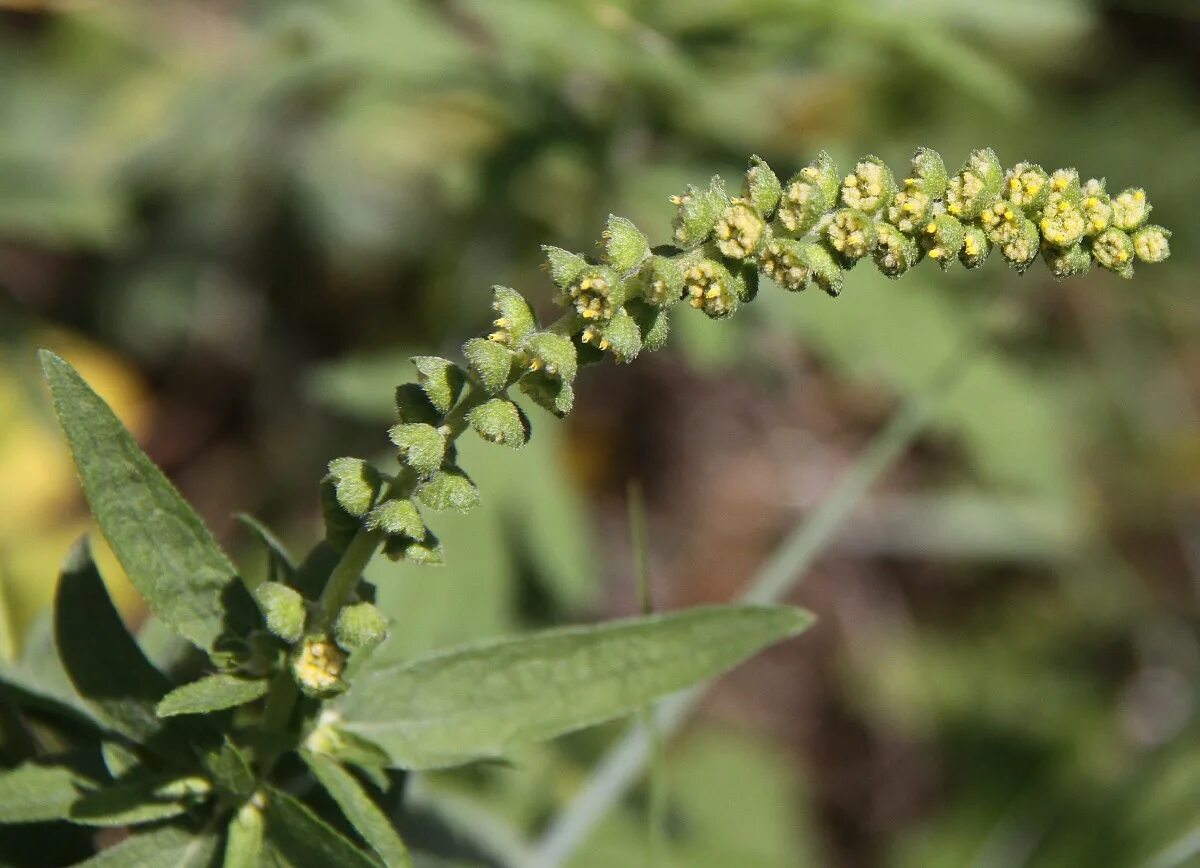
{"type": "Point", "coordinates": [282, 748]}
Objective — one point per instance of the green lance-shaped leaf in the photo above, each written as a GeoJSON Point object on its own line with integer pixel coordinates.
{"type": "Point", "coordinates": [103, 661]}
{"type": "Point", "coordinates": [43, 789]}
{"type": "Point", "coordinates": [481, 700]}
{"type": "Point", "coordinates": [211, 693]}
{"type": "Point", "coordinates": [244, 838]}
{"type": "Point", "coordinates": [303, 839]}
{"type": "Point", "coordinates": [164, 847]}
{"type": "Point", "coordinates": [143, 799]}
{"type": "Point", "coordinates": [168, 553]}
{"type": "Point", "coordinates": [364, 815]}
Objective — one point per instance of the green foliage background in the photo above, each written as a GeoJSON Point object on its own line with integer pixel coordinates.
{"type": "Point", "coordinates": [263, 208]}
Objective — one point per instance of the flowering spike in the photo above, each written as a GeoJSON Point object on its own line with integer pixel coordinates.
{"type": "Point", "coordinates": [1027, 185]}
{"type": "Point", "coordinates": [710, 287]}
{"type": "Point", "coordinates": [740, 231]}
{"type": "Point", "coordinates": [850, 235]}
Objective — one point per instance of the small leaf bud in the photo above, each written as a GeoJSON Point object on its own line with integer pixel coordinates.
{"type": "Point", "coordinates": [596, 293]}
{"type": "Point", "coordinates": [624, 245]}
{"type": "Point", "coordinates": [413, 405]}
{"type": "Point", "coordinates": [870, 187]}
{"type": "Point", "coordinates": [697, 212]}
{"type": "Point", "coordinates": [425, 552]}
{"type": "Point", "coordinates": [740, 231]}
{"type": "Point", "coordinates": [942, 239]}
{"type": "Point", "coordinates": [761, 187]}
{"type": "Point", "coordinates": [422, 447]}
{"type": "Point", "coordinates": [551, 354]}
{"type": "Point", "coordinates": [1027, 185]}
{"type": "Point", "coordinates": [654, 323]}
{"type": "Point", "coordinates": [1130, 209]}
{"type": "Point", "coordinates": [1152, 243]}
{"type": "Point", "coordinates": [490, 363]}
{"type": "Point", "coordinates": [895, 253]}
{"type": "Point", "coordinates": [283, 610]}
{"type": "Point", "coordinates": [317, 666]}
{"type": "Point", "coordinates": [976, 186]}
{"type": "Point", "coordinates": [1113, 249]}
{"type": "Point", "coordinates": [514, 319]}
{"type": "Point", "coordinates": [565, 267]}
{"type": "Point", "coordinates": [661, 281]}
{"type": "Point", "coordinates": [449, 489]}
{"type": "Point", "coordinates": [550, 393]}
{"type": "Point", "coordinates": [355, 484]}
{"type": "Point", "coordinates": [500, 421]}
{"type": "Point", "coordinates": [441, 379]}
{"type": "Point", "coordinates": [1071, 262]}
{"type": "Point", "coordinates": [977, 246]}
{"type": "Point", "coordinates": [1096, 206]}
{"type": "Point", "coordinates": [398, 517]}
{"type": "Point", "coordinates": [710, 288]}
{"type": "Point", "coordinates": [929, 174]}
{"type": "Point", "coordinates": [359, 625]}
{"type": "Point", "coordinates": [850, 235]}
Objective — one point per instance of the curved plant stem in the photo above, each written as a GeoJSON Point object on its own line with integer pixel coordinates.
{"type": "Point", "coordinates": [624, 764]}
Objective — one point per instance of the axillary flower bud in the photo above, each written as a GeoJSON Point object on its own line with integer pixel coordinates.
{"type": "Point", "coordinates": [283, 610]}
{"type": "Point", "coordinates": [515, 320]}
{"type": "Point", "coordinates": [1071, 262]}
{"type": "Point", "coordinates": [317, 666]}
{"type": "Point", "coordinates": [1027, 185]}
{"type": "Point", "coordinates": [808, 195]}
{"type": "Point", "coordinates": [1114, 249]}
{"type": "Point", "coordinates": [661, 281]}
{"type": "Point", "coordinates": [850, 235]}
{"type": "Point", "coordinates": [1063, 223]}
{"type": "Point", "coordinates": [870, 187]}
{"type": "Point", "coordinates": [551, 354]}
{"type": "Point", "coordinates": [1096, 206]}
{"type": "Point", "coordinates": [977, 246]}
{"type": "Point", "coordinates": [624, 245]}
{"type": "Point", "coordinates": [794, 264]}
{"type": "Point", "coordinates": [1152, 243]}
{"type": "Point", "coordinates": [943, 239]}
{"type": "Point", "coordinates": [620, 336]}
{"type": "Point", "coordinates": [1020, 246]}
{"type": "Point", "coordinates": [740, 231]}
{"type": "Point", "coordinates": [976, 186]}
{"type": "Point", "coordinates": [697, 212]}
{"type": "Point", "coordinates": [597, 293]}
{"type": "Point", "coordinates": [710, 287]}
{"type": "Point", "coordinates": [895, 253]}
{"type": "Point", "coordinates": [1130, 209]}
{"type": "Point", "coordinates": [359, 625]}
{"type": "Point", "coordinates": [761, 187]}
{"type": "Point", "coordinates": [928, 173]}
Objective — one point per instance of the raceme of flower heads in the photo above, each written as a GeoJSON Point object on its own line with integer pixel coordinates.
{"type": "Point", "coordinates": [810, 230]}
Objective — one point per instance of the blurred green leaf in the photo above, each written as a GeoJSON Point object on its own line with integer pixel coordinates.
{"type": "Point", "coordinates": [212, 693]}
{"type": "Point", "coordinates": [363, 814]}
{"type": "Point", "coordinates": [165, 847]}
{"type": "Point", "coordinates": [40, 790]}
{"type": "Point", "coordinates": [295, 836]}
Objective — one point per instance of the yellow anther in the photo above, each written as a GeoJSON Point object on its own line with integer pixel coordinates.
{"type": "Point", "coordinates": [936, 253]}
{"type": "Point", "coordinates": [931, 228]}
{"type": "Point", "coordinates": [955, 208]}
{"type": "Point", "coordinates": [535, 365]}
{"type": "Point", "coordinates": [1139, 195]}
{"type": "Point", "coordinates": [604, 344]}
{"type": "Point", "coordinates": [1122, 255]}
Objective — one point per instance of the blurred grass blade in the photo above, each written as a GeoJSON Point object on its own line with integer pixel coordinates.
{"type": "Point", "coordinates": [480, 700]}
{"type": "Point", "coordinates": [103, 661]}
{"type": "Point", "coordinates": [168, 553]}
{"type": "Point", "coordinates": [298, 837]}
{"type": "Point", "coordinates": [212, 693]}
{"type": "Point", "coordinates": [364, 815]}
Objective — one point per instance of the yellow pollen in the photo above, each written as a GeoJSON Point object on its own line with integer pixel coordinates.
{"type": "Point", "coordinates": [604, 344]}
{"type": "Point", "coordinates": [1122, 255]}
{"type": "Point", "coordinates": [931, 228]}
{"type": "Point", "coordinates": [535, 365]}
{"type": "Point", "coordinates": [1139, 195]}
{"type": "Point", "coordinates": [936, 253]}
